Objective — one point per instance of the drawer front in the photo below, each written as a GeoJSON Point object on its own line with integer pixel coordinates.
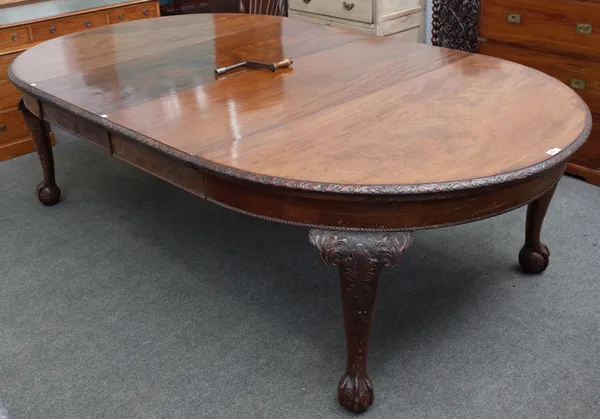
{"type": "Point", "coordinates": [589, 154]}
{"type": "Point", "coordinates": [9, 95]}
{"type": "Point", "coordinates": [14, 37]}
{"type": "Point", "coordinates": [12, 127]}
{"type": "Point", "coordinates": [580, 74]}
{"type": "Point", "coordinates": [139, 11]}
{"type": "Point", "coordinates": [561, 25]}
{"type": "Point", "coordinates": [5, 61]}
{"type": "Point", "coordinates": [357, 10]}
{"type": "Point", "coordinates": [16, 149]}
{"type": "Point", "coordinates": [54, 28]}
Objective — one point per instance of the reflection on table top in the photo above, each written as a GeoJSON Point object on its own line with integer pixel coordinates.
{"type": "Point", "coordinates": [353, 109]}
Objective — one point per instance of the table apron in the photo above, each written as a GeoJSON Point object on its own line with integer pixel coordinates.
{"type": "Point", "coordinates": [305, 208]}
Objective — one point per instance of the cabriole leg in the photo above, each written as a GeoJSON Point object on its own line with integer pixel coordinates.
{"type": "Point", "coordinates": [48, 191]}
{"type": "Point", "coordinates": [534, 255]}
{"type": "Point", "coordinates": [359, 258]}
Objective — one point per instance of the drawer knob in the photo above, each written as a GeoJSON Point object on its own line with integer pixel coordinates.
{"type": "Point", "coordinates": [513, 18]}
{"type": "Point", "coordinates": [348, 6]}
{"type": "Point", "coordinates": [2, 127]}
{"type": "Point", "coordinates": [145, 12]}
{"type": "Point", "coordinates": [577, 84]}
{"type": "Point", "coordinates": [584, 28]}
{"type": "Point", "coordinates": [14, 36]}
{"type": "Point", "coordinates": [52, 29]}
{"type": "Point", "coordinates": [88, 23]}
{"type": "Point", "coordinates": [121, 16]}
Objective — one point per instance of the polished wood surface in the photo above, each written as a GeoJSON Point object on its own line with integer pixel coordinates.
{"type": "Point", "coordinates": [560, 38]}
{"type": "Point", "coordinates": [543, 24]}
{"type": "Point", "coordinates": [564, 67]}
{"type": "Point", "coordinates": [30, 11]}
{"type": "Point", "coordinates": [361, 140]}
{"type": "Point", "coordinates": [25, 24]}
{"type": "Point", "coordinates": [434, 113]}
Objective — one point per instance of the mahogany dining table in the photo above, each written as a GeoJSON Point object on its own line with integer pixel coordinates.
{"type": "Point", "coordinates": [363, 140]}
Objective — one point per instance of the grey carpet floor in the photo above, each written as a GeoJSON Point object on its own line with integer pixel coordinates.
{"type": "Point", "coordinates": [133, 299]}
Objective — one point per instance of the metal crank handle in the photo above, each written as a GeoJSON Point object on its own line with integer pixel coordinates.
{"type": "Point", "coordinates": [285, 63]}
{"type": "Point", "coordinates": [224, 70]}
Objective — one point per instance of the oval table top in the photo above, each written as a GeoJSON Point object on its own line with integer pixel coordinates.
{"type": "Point", "coordinates": [361, 113]}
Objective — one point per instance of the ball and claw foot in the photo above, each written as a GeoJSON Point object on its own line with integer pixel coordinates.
{"type": "Point", "coordinates": [48, 194]}
{"type": "Point", "coordinates": [534, 260]}
{"type": "Point", "coordinates": [355, 392]}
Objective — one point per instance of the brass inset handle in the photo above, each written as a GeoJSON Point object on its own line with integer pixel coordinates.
{"type": "Point", "coordinates": [14, 36]}
{"type": "Point", "coordinates": [513, 18]}
{"type": "Point", "coordinates": [584, 28]}
{"type": "Point", "coordinates": [348, 6]}
{"type": "Point", "coordinates": [2, 127]}
{"type": "Point", "coordinates": [88, 23]}
{"type": "Point", "coordinates": [121, 16]}
{"type": "Point", "coordinates": [145, 12]}
{"type": "Point", "coordinates": [52, 29]}
{"type": "Point", "coordinates": [577, 84]}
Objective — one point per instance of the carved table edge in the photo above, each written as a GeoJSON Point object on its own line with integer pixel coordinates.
{"type": "Point", "coordinates": [376, 230]}
{"type": "Point", "coordinates": [347, 189]}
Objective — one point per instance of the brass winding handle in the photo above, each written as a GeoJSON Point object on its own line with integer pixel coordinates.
{"type": "Point", "coordinates": [285, 63]}
{"type": "Point", "coordinates": [348, 6]}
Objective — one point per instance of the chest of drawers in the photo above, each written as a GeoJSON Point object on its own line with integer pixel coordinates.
{"type": "Point", "coordinates": [403, 18]}
{"type": "Point", "coordinates": [24, 24]}
{"type": "Point", "coordinates": [559, 37]}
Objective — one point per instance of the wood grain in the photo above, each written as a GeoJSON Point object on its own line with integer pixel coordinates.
{"type": "Point", "coordinates": [16, 148]}
{"type": "Point", "coordinates": [547, 39]}
{"type": "Point", "coordinates": [26, 24]}
{"type": "Point", "coordinates": [434, 113]}
{"type": "Point", "coordinates": [58, 27]}
{"type": "Point", "coordinates": [9, 95]}
{"type": "Point", "coordinates": [561, 66]}
{"type": "Point", "coordinates": [564, 68]}
{"type": "Point", "coordinates": [13, 37]}
{"type": "Point", "coordinates": [135, 12]}
{"type": "Point", "coordinates": [12, 127]}
{"type": "Point", "coordinates": [5, 61]}
{"type": "Point", "coordinates": [361, 137]}
{"type": "Point", "coordinates": [29, 12]}
{"type": "Point", "coordinates": [589, 175]}
{"type": "Point", "coordinates": [547, 25]}
{"type": "Point", "coordinates": [589, 154]}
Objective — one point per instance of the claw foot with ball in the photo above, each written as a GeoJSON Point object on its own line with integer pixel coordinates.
{"type": "Point", "coordinates": [355, 392]}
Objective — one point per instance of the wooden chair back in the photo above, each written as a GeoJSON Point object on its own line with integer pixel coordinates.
{"type": "Point", "coordinates": [264, 7]}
